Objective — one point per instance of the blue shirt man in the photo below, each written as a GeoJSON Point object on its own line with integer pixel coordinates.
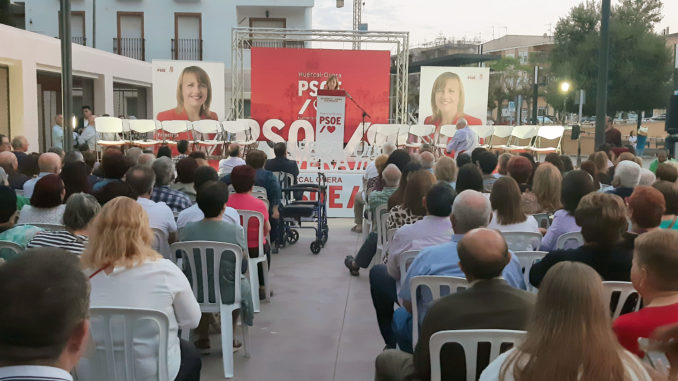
{"type": "Point", "coordinates": [464, 139]}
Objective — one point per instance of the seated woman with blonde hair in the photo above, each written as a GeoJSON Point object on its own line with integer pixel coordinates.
{"type": "Point", "coordinates": [570, 335]}
{"type": "Point", "coordinates": [126, 272]}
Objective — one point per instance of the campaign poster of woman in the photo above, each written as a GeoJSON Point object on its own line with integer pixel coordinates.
{"type": "Point", "coordinates": [447, 94]}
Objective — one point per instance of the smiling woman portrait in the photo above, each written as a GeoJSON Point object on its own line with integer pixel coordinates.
{"type": "Point", "coordinates": [447, 101]}
{"type": "Point", "coordinates": [194, 95]}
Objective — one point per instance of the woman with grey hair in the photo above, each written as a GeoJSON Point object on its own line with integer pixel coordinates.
{"type": "Point", "coordinates": [80, 210]}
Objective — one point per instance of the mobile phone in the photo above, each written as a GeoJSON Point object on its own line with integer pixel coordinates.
{"type": "Point", "coordinates": [654, 355]}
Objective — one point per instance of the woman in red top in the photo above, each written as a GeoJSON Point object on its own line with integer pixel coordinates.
{"type": "Point", "coordinates": [242, 179]}
{"type": "Point", "coordinates": [447, 104]}
{"type": "Point", "coordinates": [194, 95]}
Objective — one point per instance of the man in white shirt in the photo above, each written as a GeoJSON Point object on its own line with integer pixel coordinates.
{"type": "Point", "coordinates": [160, 216]}
{"type": "Point", "coordinates": [193, 214]}
{"type": "Point", "coordinates": [464, 140]}
{"type": "Point", "coordinates": [49, 163]}
{"type": "Point", "coordinates": [89, 134]}
{"type": "Point", "coordinates": [371, 172]}
{"type": "Point", "coordinates": [233, 160]}
{"type": "Point", "coordinates": [46, 332]}
{"type": "Point", "coordinates": [434, 229]}
{"type": "Point", "coordinates": [58, 131]}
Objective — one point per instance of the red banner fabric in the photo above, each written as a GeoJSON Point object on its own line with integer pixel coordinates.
{"type": "Point", "coordinates": [285, 84]}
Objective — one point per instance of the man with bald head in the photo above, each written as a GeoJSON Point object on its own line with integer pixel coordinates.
{"type": "Point", "coordinates": [464, 139]}
{"type": "Point", "coordinates": [233, 160]}
{"type": "Point", "coordinates": [471, 210]}
{"type": "Point", "coordinates": [490, 303]}
{"type": "Point", "coordinates": [49, 163]}
{"type": "Point", "coordinates": [426, 159]}
{"type": "Point", "coordinates": [20, 149]}
{"type": "Point", "coordinates": [10, 164]}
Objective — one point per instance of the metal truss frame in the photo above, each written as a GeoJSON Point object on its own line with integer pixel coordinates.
{"type": "Point", "coordinates": [242, 39]}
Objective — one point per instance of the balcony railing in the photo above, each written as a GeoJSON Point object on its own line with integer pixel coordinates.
{"type": "Point", "coordinates": [187, 49]}
{"type": "Point", "coordinates": [276, 44]}
{"type": "Point", "coordinates": [79, 40]}
{"type": "Point", "coordinates": [130, 47]}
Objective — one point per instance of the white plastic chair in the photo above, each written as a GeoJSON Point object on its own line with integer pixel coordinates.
{"type": "Point", "coordinates": [520, 133]}
{"type": "Point", "coordinates": [9, 245]}
{"type": "Point", "coordinates": [114, 334]}
{"type": "Point", "coordinates": [189, 251]}
{"type": "Point", "coordinates": [527, 259]}
{"type": "Point", "coordinates": [161, 245]}
{"type": "Point", "coordinates": [252, 263]}
{"type": "Point", "coordinates": [171, 129]}
{"type": "Point", "coordinates": [385, 133]}
{"type": "Point", "coordinates": [108, 125]}
{"type": "Point", "coordinates": [420, 131]}
{"type": "Point", "coordinates": [206, 127]}
{"type": "Point", "coordinates": [143, 126]}
{"type": "Point", "coordinates": [258, 189]}
{"type": "Point", "coordinates": [469, 340]}
{"type": "Point", "coordinates": [406, 260]}
{"type": "Point", "coordinates": [522, 241]}
{"type": "Point", "coordinates": [483, 132]}
{"type": "Point", "coordinates": [446, 133]}
{"type": "Point", "coordinates": [548, 133]}
{"type": "Point", "coordinates": [625, 291]}
{"type": "Point", "coordinates": [48, 227]}
{"type": "Point", "coordinates": [434, 283]}
{"type": "Point", "coordinates": [500, 132]}
{"type": "Point", "coordinates": [380, 211]}
{"type": "Point", "coordinates": [403, 134]}
{"type": "Point", "coordinates": [570, 240]}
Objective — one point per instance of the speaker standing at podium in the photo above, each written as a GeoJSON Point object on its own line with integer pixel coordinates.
{"type": "Point", "coordinates": [332, 83]}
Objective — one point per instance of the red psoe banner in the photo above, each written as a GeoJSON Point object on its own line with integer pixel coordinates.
{"type": "Point", "coordinates": [285, 84]}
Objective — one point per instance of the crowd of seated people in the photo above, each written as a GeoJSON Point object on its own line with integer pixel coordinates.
{"type": "Point", "coordinates": [69, 210]}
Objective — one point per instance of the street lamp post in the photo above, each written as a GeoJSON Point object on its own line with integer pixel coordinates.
{"type": "Point", "coordinates": [564, 88]}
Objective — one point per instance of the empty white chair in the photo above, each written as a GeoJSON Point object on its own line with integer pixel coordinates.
{"type": "Point", "coordinates": [527, 259]}
{"type": "Point", "coordinates": [523, 133]}
{"type": "Point", "coordinates": [204, 128]}
{"type": "Point", "coordinates": [119, 339]}
{"type": "Point", "coordinates": [246, 217]}
{"type": "Point", "coordinates": [435, 284]}
{"type": "Point", "coordinates": [171, 130]}
{"type": "Point", "coordinates": [406, 260]}
{"type": "Point", "coordinates": [403, 134]}
{"type": "Point", "coordinates": [548, 133]}
{"type": "Point", "coordinates": [522, 241]}
{"type": "Point", "coordinates": [447, 132]}
{"type": "Point", "coordinates": [145, 127]}
{"type": "Point", "coordinates": [625, 291]}
{"type": "Point", "coordinates": [570, 240]}
{"type": "Point", "coordinates": [385, 133]}
{"type": "Point", "coordinates": [420, 131]}
{"type": "Point", "coordinates": [111, 127]}
{"type": "Point", "coordinates": [500, 132]}
{"type": "Point", "coordinates": [189, 251]}
{"type": "Point", "coordinates": [469, 340]}
{"type": "Point", "coordinates": [483, 132]}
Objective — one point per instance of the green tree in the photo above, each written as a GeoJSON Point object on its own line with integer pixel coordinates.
{"type": "Point", "coordinates": [508, 79]}
{"type": "Point", "coordinates": [640, 64]}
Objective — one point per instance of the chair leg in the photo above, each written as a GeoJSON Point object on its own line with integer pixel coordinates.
{"type": "Point", "coordinates": [266, 283]}
{"type": "Point", "coordinates": [227, 342]}
{"type": "Point", "coordinates": [245, 338]}
{"type": "Point", "coordinates": [254, 283]}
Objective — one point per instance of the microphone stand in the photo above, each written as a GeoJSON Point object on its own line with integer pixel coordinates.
{"type": "Point", "coordinates": [365, 114]}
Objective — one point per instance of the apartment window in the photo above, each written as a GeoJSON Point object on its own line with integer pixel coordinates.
{"type": "Point", "coordinates": [78, 35]}
{"type": "Point", "coordinates": [187, 41]}
{"type": "Point", "coordinates": [261, 41]}
{"type": "Point", "coordinates": [523, 56]}
{"type": "Point", "coordinates": [130, 41]}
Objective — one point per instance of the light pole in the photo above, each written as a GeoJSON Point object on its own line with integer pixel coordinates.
{"type": "Point", "coordinates": [564, 88]}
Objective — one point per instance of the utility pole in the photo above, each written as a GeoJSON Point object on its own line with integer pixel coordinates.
{"type": "Point", "coordinates": [94, 23]}
{"type": "Point", "coordinates": [66, 74]}
{"type": "Point", "coordinates": [357, 18]}
{"type": "Point", "coordinates": [603, 57]}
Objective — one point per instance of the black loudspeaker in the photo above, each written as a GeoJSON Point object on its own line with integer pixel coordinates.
{"type": "Point", "coordinates": [672, 115]}
{"type": "Point", "coordinates": [575, 132]}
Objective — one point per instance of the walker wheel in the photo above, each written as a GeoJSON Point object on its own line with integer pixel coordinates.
{"type": "Point", "coordinates": [315, 247]}
{"type": "Point", "coordinates": [292, 237]}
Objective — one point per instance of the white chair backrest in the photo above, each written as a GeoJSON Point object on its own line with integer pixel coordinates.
{"type": "Point", "coordinates": [248, 217]}
{"type": "Point", "coordinates": [122, 337]}
{"type": "Point", "coordinates": [435, 285]}
{"type": "Point", "coordinates": [108, 125]}
{"type": "Point", "coordinates": [380, 211]}
{"type": "Point", "coordinates": [142, 126]}
{"type": "Point", "coordinates": [621, 292]}
{"type": "Point", "coordinates": [524, 132]}
{"type": "Point", "coordinates": [522, 241]}
{"type": "Point", "coordinates": [406, 260]}
{"type": "Point", "coordinates": [448, 130]}
{"type": "Point", "coordinates": [174, 126]}
{"type": "Point", "coordinates": [190, 250]}
{"type": "Point", "coordinates": [469, 340]}
{"type": "Point", "coordinates": [233, 126]}
{"type": "Point", "coordinates": [258, 189]}
{"type": "Point", "coordinates": [502, 131]}
{"type": "Point", "coordinates": [551, 132]}
{"type": "Point", "coordinates": [48, 227]}
{"type": "Point", "coordinates": [483, 131]}
{"type": "Point", "coordinates": [422, 129]}
{"type": "Point", "coordinates": [161, 245]}
{"type": "Point", "coordinates": [386, 133]}
{"type": "Point", "coordinates": [11, 246]}
{"type": "Point", "coordinates": [403, 133]}
{"type": "Point", "coordinates": [284, 179]}
{"type": "Point", "coordinates": [207, 126]}
{"type": "Point", "coordinates": [570, 240]}
{"type": "Point", "coordinates": [527, 259]}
